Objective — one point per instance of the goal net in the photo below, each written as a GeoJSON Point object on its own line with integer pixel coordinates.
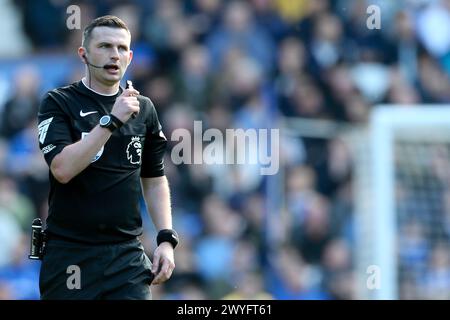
{"type": "Point", "coordinates": [402, 203]}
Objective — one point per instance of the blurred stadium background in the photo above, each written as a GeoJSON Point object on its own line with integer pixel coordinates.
{"type": "Point", "coordinates": [356, 187]}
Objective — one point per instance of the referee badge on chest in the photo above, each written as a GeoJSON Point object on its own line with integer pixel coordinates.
{"type": "Point", "coordinates": [99, 153]}
{"type": "Point", "coordinates": [134, 150]}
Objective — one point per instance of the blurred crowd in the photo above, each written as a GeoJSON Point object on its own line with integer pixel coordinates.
{"type": "Point", "coordinates": [232, 64]}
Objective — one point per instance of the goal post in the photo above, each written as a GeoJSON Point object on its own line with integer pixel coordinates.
{"type": "Point", "coordinates": [392, 130]}
{"type": "Point", "coordinates": [400, 190]}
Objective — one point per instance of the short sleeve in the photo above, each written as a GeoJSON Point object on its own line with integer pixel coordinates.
{"type": "Point", "coordinates": [53, 128]}
{"type": "Point", "coordinates": [154, 147]}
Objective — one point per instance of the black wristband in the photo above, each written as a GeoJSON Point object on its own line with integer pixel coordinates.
{"type": "Point", "coordinates": [116, 122]}
{"type": "Point", "coordinates": [168, 235]}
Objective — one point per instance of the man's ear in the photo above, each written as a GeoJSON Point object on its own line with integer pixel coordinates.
{"type": "Point", "coordinates": [131, 57]}
{"type": "Point", "coordinates": [82, 54]}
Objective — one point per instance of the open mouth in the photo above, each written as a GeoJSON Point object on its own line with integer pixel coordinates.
{"type": "Point", "coordinates": [111, 67]}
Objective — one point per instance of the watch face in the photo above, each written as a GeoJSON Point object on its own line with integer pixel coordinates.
{"type": "Point", "coordinates": [105, 120]}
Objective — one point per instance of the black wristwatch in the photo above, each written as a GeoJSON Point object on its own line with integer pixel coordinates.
{"type": "Point", "coordinates": [110, 122]}
{"type": "Point", "coordinates": [168, 235]}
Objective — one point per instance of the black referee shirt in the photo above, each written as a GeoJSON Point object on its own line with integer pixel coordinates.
{"type": "Point", "coordinates": [100, 204]}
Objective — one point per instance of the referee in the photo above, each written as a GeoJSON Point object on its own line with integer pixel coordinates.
{"type": "Point", "coordinates": [104, 147]}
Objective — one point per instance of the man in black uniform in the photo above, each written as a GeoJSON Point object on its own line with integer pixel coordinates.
{"type": "Point", "coordinates": [104, 147]}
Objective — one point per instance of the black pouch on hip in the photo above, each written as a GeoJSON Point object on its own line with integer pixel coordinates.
{"type": "Point", "coordinates": [38, 240]}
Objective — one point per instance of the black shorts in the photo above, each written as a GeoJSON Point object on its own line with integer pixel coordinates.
{"type": "Point", "coordinates": [71, 270]}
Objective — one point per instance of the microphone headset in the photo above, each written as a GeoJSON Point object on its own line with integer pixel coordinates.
{"type": "Point", "coordinates": [92, 65]}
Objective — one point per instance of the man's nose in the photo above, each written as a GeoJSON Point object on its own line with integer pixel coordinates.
{"type": "Point", "coordinates": [115, 54]}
